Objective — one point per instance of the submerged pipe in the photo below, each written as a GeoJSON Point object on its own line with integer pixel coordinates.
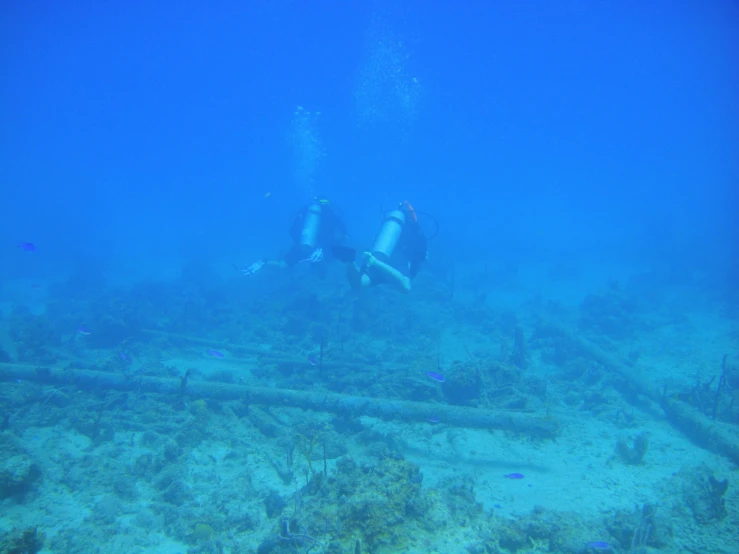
{"type": "Point", "coordinates": [696, 426]}
{"type": "Point", "coordinates": [401, 410]}
{"type": "Point", "coordinates": [714, 435]}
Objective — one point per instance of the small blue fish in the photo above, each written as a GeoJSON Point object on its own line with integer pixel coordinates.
{"type": "Point", "coordinates": [28, 247]}
{"type": "Point", "coordinates": [514, 476]}
{"type": "Point", "coordinates": [433, 420]}
{"type": "Point", "coordinates": [312, 360]}
{"type": "Point", "coordinates": [438, 377]}
{"type": "Point", "coordinates": [125, 358]}
{"type": "Point", "coordinates": [83, 330]}
{"type": "Point", "coordinates": [215, 353]}
{"type": "Point", "coordinates": [599, 545]}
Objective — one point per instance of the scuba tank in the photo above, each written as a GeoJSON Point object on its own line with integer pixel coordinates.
{"type": "Point", "coordinates": [311, 225]}
{"type": "Point", "coordinates": [389, 234]}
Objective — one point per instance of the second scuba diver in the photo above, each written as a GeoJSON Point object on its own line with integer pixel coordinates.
{"type": "Point", "coordinates": [399, 249]}
{"type": "Point", "coordinates": [316, 230]}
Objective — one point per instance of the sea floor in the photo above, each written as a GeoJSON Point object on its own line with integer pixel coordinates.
{"type": "Point", "coordinates": [128, 471]}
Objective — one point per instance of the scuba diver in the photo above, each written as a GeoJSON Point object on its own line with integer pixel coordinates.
{"type": "Point", "coordinates": [399, 249]}
{"type": "Point", "coordinates": [316, 229]}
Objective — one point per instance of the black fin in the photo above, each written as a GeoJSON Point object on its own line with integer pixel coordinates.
{"type": "Point", "coordinates": [344, 254]}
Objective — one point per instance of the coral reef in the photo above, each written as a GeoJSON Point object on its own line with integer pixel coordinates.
{"type": "Point", "coordinates": [163, 458]}
{"type": "Point", "coordinates": [519, 354]}
{"type": "Point", "coordinates": [34, 337]}
{"type": "Point", "coordinates": [635, 453]}
{"type": "Point", "coordinates": [381, 505]}
{"type": "Point", "coordinates": [610, 314]}
{"type": "Point", "coordinates": [705, 497]}
{"type": "Point", "coordinates": [18, 474]}
{"type": "Point", "coordinates": [644, 526]}
{"type": "Point", "coordinates": [463, 386]}
{"type": "Point", "coordinates": [26, 541]}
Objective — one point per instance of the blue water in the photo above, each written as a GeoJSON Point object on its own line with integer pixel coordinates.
{"type": "Point", "coordinates": [578, 161]}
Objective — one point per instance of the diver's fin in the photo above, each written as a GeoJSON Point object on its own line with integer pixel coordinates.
{"type": "Point", "coordinates": [344, 254]}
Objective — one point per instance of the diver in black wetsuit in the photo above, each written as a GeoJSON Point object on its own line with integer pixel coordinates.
{"type": "Point", "coordinates": [315, 231]}
{"type": "Point", "coordinates": [399, 249]}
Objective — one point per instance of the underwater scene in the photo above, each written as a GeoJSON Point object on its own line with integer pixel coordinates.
{"type": "Point", "coordinates": [371, 277]}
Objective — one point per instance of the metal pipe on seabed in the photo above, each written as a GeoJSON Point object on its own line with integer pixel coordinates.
{"type": "Point", "coordinates": [400, 410]}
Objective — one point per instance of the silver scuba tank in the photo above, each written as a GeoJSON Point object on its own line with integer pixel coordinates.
{"type": "Point", "coordinates": [389, 234]}
{"type": "Point", "coordinates": [311, 225]}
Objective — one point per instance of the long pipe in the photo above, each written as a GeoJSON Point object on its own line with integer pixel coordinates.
{"type": "Point", "coordinates": [722, 438]}
{"type": "Point", "coordinates": [400, 410]}
{"type": "Point", "coordinates": [719, 437]}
